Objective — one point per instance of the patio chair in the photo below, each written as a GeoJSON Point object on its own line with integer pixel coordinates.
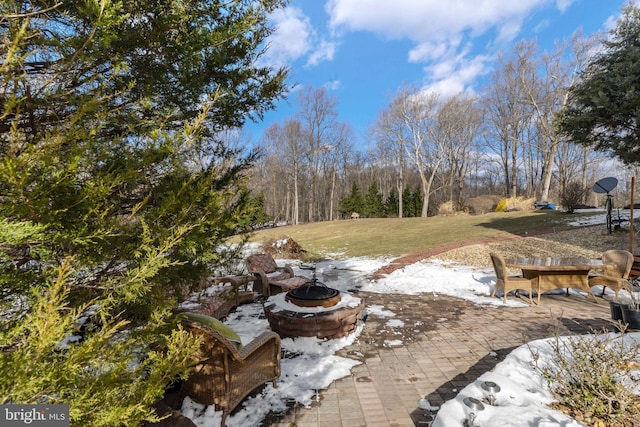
{"type": "Point", "coordinates": [271, 279]}
{"type": "Point", "coordinates": [616, 274]}
{"type": "Point", "coordinates": [634, 274]}
{"type": "Point", "coordinates": [225, 373]}
{"type": "Point", "coordinates": [509, 283]}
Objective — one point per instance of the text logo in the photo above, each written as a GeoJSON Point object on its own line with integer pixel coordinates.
{"type": "Point", "coordinates": [34, 415]}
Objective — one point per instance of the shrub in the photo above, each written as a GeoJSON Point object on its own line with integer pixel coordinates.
{"type": "Point", "coordinates": [594, 377]}
{"type": "Point", "coordinates": [512, 204]}
{"type": "Point", "coordinates": [526, 204]}
{"type": "Point", "coordinates": [501, 206]}
{"type": "Point", "coordinates": [482, 204]}
{"type": "Point", "coordinates": [108, 372]}
{"type": "Point", "coordinates": [572, 196]}
{"type": "Point", "coordinates": [446, 208]}
{"type": "Point", "coordinates": [285, 248]}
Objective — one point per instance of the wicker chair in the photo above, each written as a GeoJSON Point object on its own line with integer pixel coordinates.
{"type": "Point", "coordinates": [615, 276]}
{"type": "Point", "coordinates": [271, 279]}
{"type": "Point", "coordinates": [509, 283]}
{"type": "Point", "coordinates": [224, 375]}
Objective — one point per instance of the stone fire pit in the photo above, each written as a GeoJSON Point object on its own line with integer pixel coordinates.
{"type": "Point", "coordinates": [312, 310]}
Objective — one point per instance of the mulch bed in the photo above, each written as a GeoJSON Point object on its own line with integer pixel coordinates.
{"type": "Point", "coordinates": [403, 261]}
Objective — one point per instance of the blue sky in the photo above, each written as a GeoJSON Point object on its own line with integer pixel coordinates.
{"type": "Point", "coordinates": [363, 51]}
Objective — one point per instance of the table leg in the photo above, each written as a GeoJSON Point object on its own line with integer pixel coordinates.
{"type": "Point", "coordinates": [533, 274]}
{"type": "Point", "coordinates": [549, 280]}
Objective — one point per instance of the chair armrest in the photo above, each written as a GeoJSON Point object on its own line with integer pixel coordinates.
{"type": "Point", "coordinates": [286, 269]}
{"type": "Point", "coordinates": [263, 283]}
{"type": "Point", "coordinates": [610, 270]}
{"type": "Point", "coordinates": [267, 338]}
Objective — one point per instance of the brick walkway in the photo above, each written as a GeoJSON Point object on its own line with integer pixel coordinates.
{"type": "Point", "coordinates": [447, 344]}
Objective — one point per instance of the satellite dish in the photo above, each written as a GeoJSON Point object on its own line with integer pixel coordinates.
{"type": "Point", "coordinates": [605, 185]}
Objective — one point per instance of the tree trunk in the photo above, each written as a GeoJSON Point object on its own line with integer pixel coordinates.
{"type": "Point", "coordinates": [513, 191]}
{"type": "Point", "coordinates": [296, 200]}
{"type": "Point", "coordinates": [400, 187]}
{"type": "Point", "coordinates": [332, 194]}
{"type": "Point", "coordinates": [547, 170]}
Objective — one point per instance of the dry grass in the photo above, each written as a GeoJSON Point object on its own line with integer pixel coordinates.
{"type": "Point", "coordinates": [395, 237]}
{"type": "Point", "coordinates": [588, 242]}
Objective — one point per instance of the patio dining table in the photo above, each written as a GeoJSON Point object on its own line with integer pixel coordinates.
{"type": "Point", "coordinates": [553, 273]}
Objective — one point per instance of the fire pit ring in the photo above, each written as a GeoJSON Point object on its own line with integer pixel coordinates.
{"type": "Point", "coordinates": [290, 320]}
{"type": "Point", "coordinates": [310, 295]}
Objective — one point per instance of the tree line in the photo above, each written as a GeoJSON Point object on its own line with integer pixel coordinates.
{"type": "Point", "coordinates": [372, 204]}
{"type": "Point", "coordinates": [512, 138]}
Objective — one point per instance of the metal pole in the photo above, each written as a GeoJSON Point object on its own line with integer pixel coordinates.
{"type": "Point", "coordinates": [633, 178]}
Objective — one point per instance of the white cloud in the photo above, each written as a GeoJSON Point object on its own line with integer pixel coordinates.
{"type": "Point", "coordinates": [332, 85]}
{"type": "Point", "coordinates": [324, 52]}
{"type": "Point", "coordinates": [563, 5]}
{"type": "Point", "coordinates": [509, 30]}
{"type": "Point", "coordinates": [439, 30]}
{"type": "Point", "coordinates": [450, 77]}
{"type": "Point", "coordinates": [422, 20]}
{"type": "Point", "coordinates": [545, 23]}
{"type": "Point", "coordinates": [295, 38]}
{"type": "Point", "coordinates": [610, 23]}
{"type": "Point", "coordinates": [434, 49]}
{"type": "Point", "coordinates": [292, 38]}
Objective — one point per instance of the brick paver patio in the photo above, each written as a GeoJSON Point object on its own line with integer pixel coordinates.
{"type": "Point", "coordinates": [446, 344]}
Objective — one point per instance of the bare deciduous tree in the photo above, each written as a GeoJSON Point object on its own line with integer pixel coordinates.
{"type": "Point", "coordinates": [459, 122]}
{"type": "Point", "coordinates": [391, 139]}
{"type": "Point", "coordinates": [283, 170]}
{"type": "Point", "coordinates": [508, 117]}
{"type": "Point", "coordinates": [319, 116]}
{"type": "Point", "coordinates": [545, 88]}
{"type": "Point", "coordinates": [417, 112]}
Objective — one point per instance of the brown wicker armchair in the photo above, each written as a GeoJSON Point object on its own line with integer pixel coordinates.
{"type": "Point", "coordinates": [618, 265]}
{"type": "Point", "coordinates": [510, 283]}
{"type": "Point", "coordinates": [271, 279]}
{"type": "Point", "coordinates": [224, 375]}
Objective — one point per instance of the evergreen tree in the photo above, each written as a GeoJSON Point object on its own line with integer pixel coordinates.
{"type": "Point", "coordinates": [413, 202]}
{"type": "Point", "coordinates": [407, 206]}
{"type": "Point", "coordinates": [603, 106]}
{"type": "Point", "coordinates": [259, 216]}
{"type": "Point", "coordinates": [373, 206]}
{"type": "Point", "coordinates": [354, 202]}
{"type": "Point", "coordinates": [115, 192]}
{"type": "Point", "coordinates": [147, 62]}
{"type": "Point", "coordinates": [391, 204]}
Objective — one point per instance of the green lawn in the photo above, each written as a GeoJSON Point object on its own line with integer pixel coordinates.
{"type": "Point", "coordinates": [400, 236]}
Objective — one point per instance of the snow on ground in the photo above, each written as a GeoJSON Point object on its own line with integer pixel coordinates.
{"type": "Point", "coordinates": [310, 365]}
{"type": "Point", "coordinates": [523, 398]}
{"type": "Point", "coordinates": [599, 216]}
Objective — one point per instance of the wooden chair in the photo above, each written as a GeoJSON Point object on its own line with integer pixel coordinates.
{"type": "Point", "coordinates": [635, 268]}
{"type": "Point", "coordinates": [510, 283]}
{"type": "Point", "coordinates": [224, 375]}
{"type": "Point", "coordinates": [616, 274]}
{"type": "Point", "coordinates": [271, 279]}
